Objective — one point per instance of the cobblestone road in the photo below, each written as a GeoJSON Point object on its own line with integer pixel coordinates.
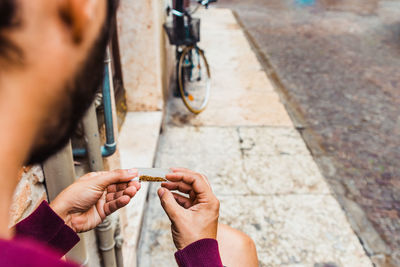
{"type": "Point", "coordinates": [337, 65]}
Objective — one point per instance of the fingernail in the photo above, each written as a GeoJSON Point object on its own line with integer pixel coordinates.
{"type": "Point", "coordinates": [161, 192]}
{"type": "Point", "coordinates": [132, 171]}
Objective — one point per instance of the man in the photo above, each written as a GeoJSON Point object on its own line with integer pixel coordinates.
{"type": "Point", "coordinates": [51, 64]}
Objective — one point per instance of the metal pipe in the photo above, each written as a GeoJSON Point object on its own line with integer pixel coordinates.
{"type": "Point", "coordinates": [92, 139]}
{"type": "Point", "coordinates": [106, 243]}
{"type": "Point", "coordinates": [104, 231]}
{"type": "Point", "coordinates": [59, 173]}
{"type": "Point", "coordinates": [110, 146]}
{"type": "Point", "coordinates": [119, 240]}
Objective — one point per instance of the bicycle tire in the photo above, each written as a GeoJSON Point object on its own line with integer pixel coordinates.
{"type": "Point", "coordinates": [181, 83]}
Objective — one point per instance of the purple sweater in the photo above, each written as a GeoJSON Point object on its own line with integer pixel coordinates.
{"type": "Point", "coordinates": [42, 238]}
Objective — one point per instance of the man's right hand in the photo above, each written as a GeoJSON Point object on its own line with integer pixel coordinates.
{"type": "Point", "coordinates": [194, 217]}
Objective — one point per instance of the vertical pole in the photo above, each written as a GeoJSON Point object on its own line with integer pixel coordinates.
{"type": "Point", "coordinates": [92, 139]}
{"type": "Point", "coordinates": [179, 22]}
{"type": "Point", "coordinates": [104, 230]}
{"type": "Point", "coordinates": [110, 145]}
{"type": "Point", "coordinates": [59, 173]}
{"type": "Point", "coordinates": [119, 240]}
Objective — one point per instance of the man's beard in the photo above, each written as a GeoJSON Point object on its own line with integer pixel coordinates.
{"type": "Point", "coordinates": [80, 93]}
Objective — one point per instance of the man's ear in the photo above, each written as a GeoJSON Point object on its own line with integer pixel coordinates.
{"type": "Point", "coordinates": [76, 15]}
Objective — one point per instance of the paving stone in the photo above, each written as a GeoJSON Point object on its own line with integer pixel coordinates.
{"type": "Point", "coordinates": [283, 175]}
{"type": "Point", "coordinates": [290, 230]}
{"type": "Point", "coordinates": [272, 141]}
{"type": "Point", "coordinates": [199, 140]}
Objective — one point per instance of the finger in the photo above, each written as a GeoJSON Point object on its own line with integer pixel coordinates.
{"type": "Point", "coordinates": [172, 186]}
{"type": "Point", "coordinates": [118, 194]}
{"type": "Point", "coordinates": [192, 172]}
{"type": "Point", "coordinates": [112, 188]}
{"type": "Point", "coordinates": [100, 206]}
{"type": "Point", "coordinates": [122, 186]}
{"type": "Point", "coordinates": [180, 169]}
{"type": "Point", "coordinates": [135, 184]}
{"type": "Point", "coordinates": [114, 205]}
{"type": "Point", "coordinates": [198, 184]}
{"type": "Point", "coordinates": [192, 195]}
{"type": "Point", "coordinates": [110, 197]}
{"type": "Point", "coordinates": [116, 176]}
{"type": "Point", "coordinates": [130, 191]}
{"type": "Point", "coordinates": [182, 200]}
{"type": "Point", "coordinates": [170, 206]}
{"type": "Point", "coordinates": [180, 186]}
{"type": "Point", "coordinates": [123, 201]}
{"type": "Point", "coordinates": [205, 179]}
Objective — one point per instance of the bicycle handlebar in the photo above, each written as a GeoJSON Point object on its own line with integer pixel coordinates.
{"type": "Point", "coordinates": [185, 13]}
{"type": "Point", "coordinates": [177, 13]}
{"type": "Point", "coordinates": [206, 2]}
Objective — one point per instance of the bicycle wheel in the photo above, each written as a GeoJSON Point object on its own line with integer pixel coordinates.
{"type": "Point", "coordinates": [194, 79]}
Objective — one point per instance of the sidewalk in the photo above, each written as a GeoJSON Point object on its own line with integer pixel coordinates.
{"type": "Point", "coordinates": [257, 163]}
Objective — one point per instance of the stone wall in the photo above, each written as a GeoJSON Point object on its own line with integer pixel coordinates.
{"type": "Point", "coordinates": [145, 57]}
{"type": "Point", "coordinates": [29, 193]}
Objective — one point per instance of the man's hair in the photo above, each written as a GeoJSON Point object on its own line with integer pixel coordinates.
{"type": "Point", "coordinates": [8, 20]}
{"type": "Point", "coordinates": [7, 11]}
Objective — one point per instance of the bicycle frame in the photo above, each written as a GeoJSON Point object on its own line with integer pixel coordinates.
{"type": "Point", "coordinates": [184, 32]}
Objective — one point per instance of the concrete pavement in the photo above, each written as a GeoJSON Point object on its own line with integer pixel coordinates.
{"type": "Point", "coordinates": [259, 167]}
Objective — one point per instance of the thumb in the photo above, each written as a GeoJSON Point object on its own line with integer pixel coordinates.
{"type": "Point", "coordinates": [116, 176]}
{"type": "Point", "coordinates": [170, 206]}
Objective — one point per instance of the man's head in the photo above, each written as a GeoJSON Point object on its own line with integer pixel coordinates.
{"type": "Point", "coordinates": [57, 48]}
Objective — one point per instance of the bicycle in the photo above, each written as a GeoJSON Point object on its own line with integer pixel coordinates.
{"type": "Point", "coordinates": [192, 69]}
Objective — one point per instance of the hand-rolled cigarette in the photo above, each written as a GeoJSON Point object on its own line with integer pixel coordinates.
{"type": "Point", "coordinates": [148, 178]}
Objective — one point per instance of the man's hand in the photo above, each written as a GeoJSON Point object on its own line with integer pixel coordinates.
{"type": "Point", "coordinates": [194, 217]}
{"type": "Point", "coordinates": [87, 202]}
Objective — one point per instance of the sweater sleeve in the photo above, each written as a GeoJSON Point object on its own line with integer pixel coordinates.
{"type": "Point", "coordinates": [202, 253]}
{"type": "Point", "coordinates": [45, 226]}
